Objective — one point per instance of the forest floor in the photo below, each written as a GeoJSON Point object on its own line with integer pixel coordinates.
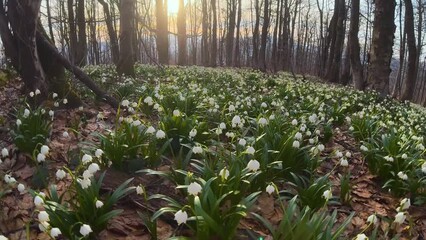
{"type": "Point", "coordinates": [17, 209]}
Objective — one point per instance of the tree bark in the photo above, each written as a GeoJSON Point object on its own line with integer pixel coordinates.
{"type": "Point", "coordinates": [115, 52]}
{"type": "Point", "coordinates": [81, 50]}
{"type": "Point", "coordinates": [264, 38]}
{"type": "Point", "coordinates": [126, 63]}
{"type": "Point", "coordinates": [162, 32]}
{"type": "Point", "coordinates": [354, 48]}
{"type": "Point", "coordinates": [411, 76]}
{"type": "Point", "coordinates": [213, 52]}
{"type": "Point", "coordinates": [337, 40]}
{"type": "Point", "coordinates": [231, 31]}
{"type": "Point", "coordinates": [181, 26]}
{"type": "Point", "coordinates": [381, 46]}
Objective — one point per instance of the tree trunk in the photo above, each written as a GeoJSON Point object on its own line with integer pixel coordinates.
{"type": "Point", "coordinates": [213, 52]}
{"type": "Point", "coordinates": [72, 32]}
{"type": "Point", "coordinates": [115, 52]}
{"type": "Point", "coordinates": [354, 48]}
{"type": "Point", "coordinates": [126, 63]}
{"type": "Point", "coordinates": [410, 80]}
{"type": "Point", "coordinates": [181, 26]}
{"type": "Point", "coordinates": [256, 35]}
{"type": "Point", "coordinates": [81, 50]}
{"type": "Point", "coordinates": [231, 31]}
{"type": "Point", "coordinates": [237, 38]}
{"type": "Point", "coordinates": [381, 46]}
{"type": "Point", "coordinates": [264, 38]}
{"type": "Point", "coordinates": [204, 37]}
{"type": "Point", "coordinates": [49, 21]}
{"type": "Point", "coordinates": [337, 40]}
{"type": "Point", "coordinates": [162, 32]}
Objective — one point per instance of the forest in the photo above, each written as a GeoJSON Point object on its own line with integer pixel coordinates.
{"type": "Point", "coordinates": [212, 119]}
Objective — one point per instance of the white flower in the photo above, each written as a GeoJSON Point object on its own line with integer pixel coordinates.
{"type": "Point", "coordinates": [98, 153]}
{"type": "Point", "coordinates": [93, 168]}
{"type": "Point", "coordinates": [263, 122]}
{"type": "Point", "coordinates": [236, 120]}
{"type": "Point", "coordinates": [194, 188]}
{"type": "Point", "coordinates": [43, 226]}
{"type": "Point", "coordinates": [389, 158]}
{"type": "Point", "coordinates": [181, 217]}
{"type": "Point", "coordinates": [56, 104]}
{"type": "Point", "coordinates": [150, 130]}
{"type": "Point", "coordinates": [55, 232]}
{"type": "Point", "coordinates": [176, 113]}
{"type": "Point", "coordinates": [364, 148]}
{"type": "Point", "coordinates": [222, 125]}
{"type": "Point", "coordinates": [65, 134]}
{"type": "Point", "coordinates": [125, 103]}
{"type": "Point", "coordinates": [99, 204]}
{"type": "Point", "coordinates": [405, 204]}
{"type": "Point", "coordinates": [321, 147]}
{"type": "Point", "coordinates": [86, 158]}
{"type": "Point", "coordinates": [231, 108]}
{"type": "Point", "coordinates": [250, 150]}
{"type": "Point", "coordinates": [344, 162]}
{"type": "Point", "coordinates": [424, 167]}
{"type": "Point", "coordinates": [242, 142]}
{"type": "Point", "coordinates": [3, 237]}
{"type": "Point", "coordinates": [44, 150]}
{"type": "Point", "coordinates": [21, 188]}
{"type": "Point", "coordinates": [294, 122]}
{"type": "Point", "coordinates": [399, 218]}
{"type": "Point", "coordinates": [84, 183]}
{"type": "Point", "coordinates": [136, 123]}
{"type": "Point", "coordinates": [160, 134]}
{"type": "Point", "coordinates": [38, 201]}
{"type": "Point", "coordinates": [224, 173]}
{"type": "Point", "coordinates": [54, 95]}
{"type": "Point", "coordinates": [139, 190]}
{"type": "Point", "coordinates": [18, 122]}
{"type": "Point", "coordinates": [372, 219]}
{"type": "Point", "coordinates": [65, 101]}
{"type": "Point", "coordinates": [41, 157]}
{"type": "Point", "coordinates": [361, 236]}
{"type": "Point", "coordinates": [402, 175]}
{"type": "Point", "coordinates": [87, 174]}
{"type": "Point", "coordinates": [348, 154]}
{"type": "Point", "coordinates": [37, 92]}
{"type": "Point", "coordinates": [327, 194]}
{"type": "Point", "coordinates": [298, 136]}
{"type": "Point", "coordinates": [51, 113]}
{"type": "Point", "coordinates": [43, 216]}
{"type": "Point", "coordinates": [4, 152]}
{"type": "Point", "coordinates": [264, 105]}
{"type": "Point", "coordinates": [60, 174]}
{"type": "Point", "coordinates": [149, 101]}
{"type": "Point", "coordinates": [85, 230]}
{"type": "Point", "coordinates": [26, 113]}
{"type": "Point", "coordinates": [404, 156]}
{"type": "Point", "coordinates": [253, 165]}
{"type": "Point", "coordinates": [197, 150]}
{"type": "Point", "coordinates": [270, 189]}
{"type": "Point", "coordinates": [31, 94]}
{"type": "Point", "coordinates": [296, 144]}
{"type": "Point", "coordinates": [193, 133]}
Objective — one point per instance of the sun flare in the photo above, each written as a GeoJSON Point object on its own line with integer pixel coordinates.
{"type": "Point", "coordinates": [173, 7]}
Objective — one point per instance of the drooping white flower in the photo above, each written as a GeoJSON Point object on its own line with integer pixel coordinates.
{"type": "Point", "coordinates": [18, 122]}
{"type": "Point", "coordinates": [44, 150]}
{"type": "Point", "coordinates": [87, 174]}
{"type": "Point", "coordinates": [197, 150]}
{"type": "Point", "coordinates": [99, 204]}
{"type": "Point", "coordinates": [405, 204]}
{"type": "Point", "coordinates": [224, 173]}
{"type": "Point", "coordinates": [372, 219]}
{"type": "Point", "coordinates": [41, 157]}
{"type": "Point", "coordinates": [149, 101]}
{"type": "Point", "coordinates": [139, 190]}
{"type": "Point", "coordinates": [85, 182]}
{"type": "Point", "coordinates": [51, 113]}
{"type": "Point", "coordinates": [364, 148]}
{"type": "Point", "coordinates": [65, 134]}
{"type": "Point", "coordinates": [31, 94]}
{"type": "Point", "coordinates": [93, 168]}
{"type": "Point", "coordinates": [85, 230]}
{"type": "Point", "coordinates": [327, 194]}
{"type": "Point", "coordinates": [43, 216]}
{"type": "Point", "coordinates": [54, 95]}
{"type": "Point", "coordinates": [361, 236]}
{"type": "Point", "coordinates": [181, 217]}
{"type": "Point", "coordinates": [348, 154]}
{"type": "Point", "coordinates": [37, 92]}
{"type": "Point", "coordinates": [222, 125]}
{"type": "Point", "coordinates": [388, 158]}
{"type": "Point", "coordinates": [262, 122]}
{"type": "Point", "coordinates": [194, 188]}
{"type": "Point", "coordinates": [43, 226]}
{"type": "Point", "coordinates": [125, 103]}
{"type": "Point", "coordinates": [86, 158]}
{"type": "Point", "coordinates": [344, 162]}
{"type": "Point", "coordinates": [3, 237]}
{"type": "Point", "coordinates": [160, 134]}
{"type": "Point", "coordinates": [270, 189]}
{"type": "Point", "coordinates": [65, 101]}
{"type": "Point", "coordinates": [98, 153]}
{"type": "Point", "coordinates": [296, 144]}
{"type": "Point", "coordinates": [176, 113]}
{"type": "Point", "coordinates": [321, 147]}
{"type": "Point", "coordinates": [38, 201]}
{"type": "Point", "coordinates": [404, 156]}
{"type": "Point", "coordinates": [253, 165]}
{"type": "Point", "coordinates": [242, 142]}
{"type": "Point", "coordinates": [4, 152]}
{"type": "Point", "coordinates": [231, 108]}
{"type": "Point", "coordinates": [298, 136]}
{"type": "Point", "coordinates": [402, 176]}
{"type": "Point", "coordinates": [193, 133]}
{"type": "Point", "coordinates": [26, 113]}
{"type": "Point", "coordinates": [294, 122]}
{"type": "Point", "coordinates": [424, 167]}
{"type": "Point", "coordinates": [250, 150]}
{"type": "Point", "coordinates": [400, 218]}
{"type": "Point", "coordinates": [136, 123]}
{"type": "Point", "coordinates": [236, 120]}
{"type": "Point", "coordinates": [55, 232]}
{"type": "Point", "coordinates": [60, 174]}
{"type": "Point", "coordinates": [150, 130]}
{"type": "Point", "coordinates": [21, 188]}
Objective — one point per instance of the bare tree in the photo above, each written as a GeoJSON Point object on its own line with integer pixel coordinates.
{"type": "Point", "coordinates": [162, 32]}
{"type": "Point", "coordinates": [181, 26]}
{"type": "Point", "coordinates": [127, 15]}
{"type": "Point", "coordinates": [354, 48]}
